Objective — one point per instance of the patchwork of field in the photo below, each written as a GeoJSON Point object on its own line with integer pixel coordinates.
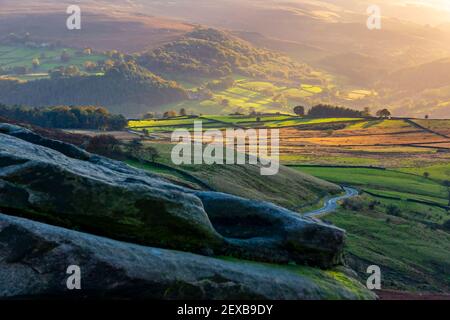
{"type": "Point", "coordinates": [440, 126]}
{"type": "Point", "coordinates": [247, 94]}
{"type": "Point", "coordinates": [343, 141]}
{"type": "Point", "coordinates": [386, 143]}
{"type": "Point", "coordinates": [21, 56]}
{"type": "Point", "coordinates": [419, 138]}
{"type": "Point", "coordinates": [237, 121]}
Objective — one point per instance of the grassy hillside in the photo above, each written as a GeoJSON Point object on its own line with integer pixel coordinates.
{"type": "Point", "coordinates": [406, 239]}
{"type": "Point", "coordinates": [106, 27]}
{"type": "Point", "coordinates": [384, 182]}
{"type": "Point", "coordinates": [432, 75]}
{"type": "Point", "coordinates": [413, 255]}
{"type": "Point", "coordinates": [122, 84]}
{"type": "Point", "coordinates": [289, 188]}
{"type": "Point", "coordinates": [213, 53]}
{"type": "Point", "coordinates": [248, 94]}
{"type": "Point", "coordinates": [271, 121]}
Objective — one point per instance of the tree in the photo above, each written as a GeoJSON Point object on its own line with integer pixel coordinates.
{"type": "Point", "coordinates": [72, 71]}
{"type": "Point", "coordinates": [65, 56]}
{"type": "Point", "coordinates": [330, 111]}
{"type": "Point", "coordinates": [393, 210]}
{"type": "Point", "coordinates": [426, 174]}
{"type": "Point", "coordinates": [105, 144]}
{"type": "Point", "coordinates": [36, 63]}
{"type": "Point", "coordinates": [239, 111]}
{"type": "Point", "coordinates": [135, 148]}
{"type": "Point", "coordinates": [152, 153]}
{"type": "Point", "coordinates": [366, 112]}
{"type": "Point", "coordinates": [446, 225]}
{"type": "Point", "coordinates": [65, 117]}
{"type": "Point", "coordinates": [90, 66]}
{"type": "Point", "coordinates": [225, 102]}
{"type": "Point", "coordinates": [300, 111]}
{"type": "Point", "coordinates": [108, 64]}
{"type": "Point", "coordinates": [183, 112]}
{"type": "Point", "coordinates": [148, 115]}
{"type": "Point", "coordinates": [383, 113]}
{"type": "Point", "coordinates": [170, 114]}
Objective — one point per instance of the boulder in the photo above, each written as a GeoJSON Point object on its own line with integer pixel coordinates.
{"type": "Point", "coordinates": [262, 231]}
{"type": "Point", "coordinates": [35, 257]}
{"type": "Point", "coordinates": [57, 183]}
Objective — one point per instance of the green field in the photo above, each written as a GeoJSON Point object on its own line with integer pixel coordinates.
{"type": "Point", "coordinates": [247, 94]}
{"type": "Point", "coordinates": [380, 124]}
{"type": "Point", "coordinates": [407, 242]}
{"type": "Point", "coordinates": [384, 182]}
{"type": "Point", "coordinates": [21, 56]}
{"type": "Point", "coordinates": [305, 121]}
{"type": "Point", "coordinates": [412, 255]}
{"type": "Point", "coordinates": [438, 172]}
{"type": "Point", "coordinates": [221, 122]}
{"type": "Point", "coordinates": [247, 119]}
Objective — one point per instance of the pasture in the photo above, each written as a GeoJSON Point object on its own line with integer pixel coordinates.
{"type": "Point", "coordinates": [247, 94]}
{"type": "Point", "coordinates": [49, 58]}
{"type": "Point", "coordinates": [383, 182]}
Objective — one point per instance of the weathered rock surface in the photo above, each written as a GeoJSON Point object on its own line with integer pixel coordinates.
{"type": "Point", "coordinates": [34, 258]}
{"type": "Point", "coordinates": [266, 232]}
{"type": "Point", "coordinates": [54, 182]}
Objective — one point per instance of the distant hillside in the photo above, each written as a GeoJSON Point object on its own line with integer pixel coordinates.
{"type": "Point", "coordinates": [125, 84]}
{"type": "Point", "coordinates": [213, 53]}
{"type": "Point", "coordinates": [435, 74]}
{"type": "Point", "coordinates": [101, 29]}
{"type": "Point", "coordinates": [358, 69]}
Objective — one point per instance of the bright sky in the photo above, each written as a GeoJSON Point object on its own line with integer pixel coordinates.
{"type": "Point", "coordinates": [439, 4]}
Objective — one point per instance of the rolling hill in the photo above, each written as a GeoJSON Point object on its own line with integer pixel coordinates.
{"type": "Point", "coordinates": [430, 75]}
{"type": "Point", "coordinates": [125, 88]}
{"type": "Point", "coordinates": [104, 25]}
{"type": "Point", "coordinates": [207, 52]}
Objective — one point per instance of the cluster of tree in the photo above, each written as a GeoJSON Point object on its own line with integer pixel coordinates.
{"type": "Point", "coordinates": [324, 110]}
{"type": "Point", "coordinates": [89, 66]}
{"type": "Point", "coordinates": [124, 83]}
{"type": "Point", "coordinates": [64, 72]}
{"type": "Point", "coordinates": [26, 39]}
{"type": "Point", "coordinates": [329, 111]}
{"type": "Point", "coordinates": [212, 53]}
{"type": "Point", "coordinates": [383, 113]}
{"type": "Point", "coordinates": [65, 117]}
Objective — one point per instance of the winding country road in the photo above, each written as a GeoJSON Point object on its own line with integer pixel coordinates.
{"type": "Point", "coordinates": [332, 204]}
